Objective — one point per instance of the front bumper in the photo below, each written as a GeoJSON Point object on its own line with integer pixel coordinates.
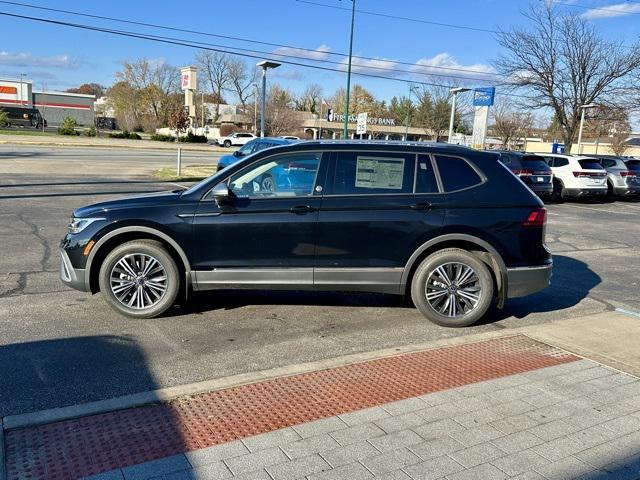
{"type": "Point", "coordinates": [73, 277]}
{"type": "Point", "coordinates": [522, 281]}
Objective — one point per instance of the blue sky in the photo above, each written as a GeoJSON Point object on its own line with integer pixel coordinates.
{"type": "Point", "coordinates": [59, 57]}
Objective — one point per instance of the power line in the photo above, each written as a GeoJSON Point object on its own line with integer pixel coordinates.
{"type": "Point", "coordinates": [241, 39]}
{"type": "Point", "coordinates": [159, 39]}
{"type": "Point", "coordinates": [397, 17]}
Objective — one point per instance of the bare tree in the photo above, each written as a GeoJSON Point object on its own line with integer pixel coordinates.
{"type": "Point", "coordinates": [154, 81]}
{"type": "Point", "coordinates": [241, 80]}
{"type": "Point", "coordinates": [280, 117]}
{"type": "Point", "coordinates": [563, 64]}
{"type": "Point", "coordinates": [434, 111]}
{"type": "Point", "coordinates": [510, 125]}
{"type": "Point", "coordinates": [214, 70]}
{"type": "Point", "coordinates": [309, 100]}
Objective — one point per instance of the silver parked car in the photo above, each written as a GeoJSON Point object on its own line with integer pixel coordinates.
{"type": "Point", "coordinates": [621, 180]}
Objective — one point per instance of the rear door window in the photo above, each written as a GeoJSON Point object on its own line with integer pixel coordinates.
{"type": "Point", "coordinates": [456, 173]}
{"type": "Point", "coordinates": [362, 173]}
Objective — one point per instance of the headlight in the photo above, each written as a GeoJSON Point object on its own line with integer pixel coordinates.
{"type": "Point", "coordinates": [79, 224]}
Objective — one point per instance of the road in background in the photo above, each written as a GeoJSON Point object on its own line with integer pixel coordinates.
{"type": "Point", "coordinates": [60, 347]}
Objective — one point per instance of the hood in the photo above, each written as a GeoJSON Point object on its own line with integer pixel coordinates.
{"type": "Point", "coordinates": [227, 160]}
{"type": "Point", "coordinates": [155, 198]}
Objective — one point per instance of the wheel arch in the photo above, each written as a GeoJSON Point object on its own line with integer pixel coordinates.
{"type": "Point", "coordinates": [483, 249]}
{"type": "Point", "coordinates": [124, 234]}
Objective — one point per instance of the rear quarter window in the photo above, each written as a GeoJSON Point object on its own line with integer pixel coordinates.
{"type": "Point", "coordinates": [456, 173]}
{"type": "Point", "coordinates": [535, 163]}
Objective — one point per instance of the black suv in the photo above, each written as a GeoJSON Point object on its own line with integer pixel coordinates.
{"type": "Point", "coordinates": [450, 226]}
{"type": "Point", "coordinates": [532, 170]}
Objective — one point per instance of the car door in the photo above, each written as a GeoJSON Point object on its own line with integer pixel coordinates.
{"type": "Point", "coordinates": [371, 221]}
{"type": "Point", "coordinates": [265, 233]}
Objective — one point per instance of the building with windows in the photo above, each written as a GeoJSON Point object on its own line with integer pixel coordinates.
{"type": "Point", "coordinates": [53, 106]}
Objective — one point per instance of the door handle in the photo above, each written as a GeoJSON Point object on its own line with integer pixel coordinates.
{"type": "Point", "coordinates": [300, 209]}
{"type": "Point", "coordinates": [420, 206]}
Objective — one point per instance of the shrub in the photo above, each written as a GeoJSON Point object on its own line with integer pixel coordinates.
{"type": "Point", "coordinates": [134, 136]}
{"type": "Point", "coordinates": [68, 127]}
{"type": "Point", "coordinates": [191, 138]}
{"type": "Point", "coordinates": [90, 132]}
{"type": "Point", "coordinates": [4, 118]}
{"type": "Point", "coordinates": [125, 134]}
{"type": "Point", "coordinates": [158, 137]}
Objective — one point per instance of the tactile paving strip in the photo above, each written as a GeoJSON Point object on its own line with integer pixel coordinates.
{"type": "Point", "coordinates": [75, 448]}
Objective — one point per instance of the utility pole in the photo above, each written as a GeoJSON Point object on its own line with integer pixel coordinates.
{"type": "Point", "coordinates": [345, 131]}
{"type": "Point", "coordinates": [583, 108]}
{"type": "Point", "coordinates": [202, 97]}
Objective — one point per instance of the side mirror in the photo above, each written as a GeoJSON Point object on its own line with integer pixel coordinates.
{"type": "Point", "coordinates": [221, 193]}
{"type": "Point", "coordinates": [237, 153]}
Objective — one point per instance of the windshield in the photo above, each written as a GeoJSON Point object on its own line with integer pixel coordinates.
{"type": "Point", "coordinates": [590, 164]}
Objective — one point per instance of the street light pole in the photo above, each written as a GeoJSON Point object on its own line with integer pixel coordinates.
{"type": "Point", "coordinates": [583, 108]}
{"type": "Point", "coordinates": [265, 65]}
{"type": "Point", "coordinates": [455, 92]}
{"type": "Point", "coordinates": [345, 131]}
{"type": "Point", "coordinates": [255, 109]}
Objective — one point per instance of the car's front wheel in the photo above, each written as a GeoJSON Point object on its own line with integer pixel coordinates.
{"type": "Point", "coordinates": [452, 288]}
{"type": "Point", "coordinates": [139, 279]}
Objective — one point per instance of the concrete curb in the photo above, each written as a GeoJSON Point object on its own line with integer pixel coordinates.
{"type": "Point", "coordinates": [3, 457]}
{"type": "Point", "coordinates": [13, 422]}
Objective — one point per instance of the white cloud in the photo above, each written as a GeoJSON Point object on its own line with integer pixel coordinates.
{"type": "Point", "coordinates": [28, 60]}
{"type": "Point", "coordinates": [320, 53]}
{"type": "Point", "coordinates": [610, 11]}
{"type": "Point", "coordinates": [376, 66]}
{"type": "Point", "coordinates": [446, 65]}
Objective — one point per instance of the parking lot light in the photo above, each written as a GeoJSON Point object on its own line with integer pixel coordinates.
{"type": "Point", "coordinates": [265, 65]}
{"type": "Point", "coordinates": [454, 92]}
{"type": "Point", "coordinates": [583, 108]}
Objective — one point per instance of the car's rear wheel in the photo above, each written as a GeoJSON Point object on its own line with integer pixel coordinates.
{"type": "Point", "coordinates": [139, 279]}
{"type": "Point", "coordinates": [227, 143]}
{"type": "Point", "coordinates": [452, 288]}
{"type": "Point", "coordinates": [268, 183]}
{"type": "Point", "coordinates": [610, 197]}
{"type": "Point", "coordinates": [558, 192]}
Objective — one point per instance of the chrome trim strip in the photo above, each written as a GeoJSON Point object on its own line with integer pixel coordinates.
{"type": "Point", "coordinates": [232, 278]}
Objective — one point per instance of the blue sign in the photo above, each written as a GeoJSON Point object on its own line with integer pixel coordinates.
{"type": "Point", "coordinates": [483, 96]}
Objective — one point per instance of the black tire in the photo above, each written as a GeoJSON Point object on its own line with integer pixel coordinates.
{"type": "Point", "coordinates": [227, 143]}
{"type": "Point", "coordinates": [147, 248]}
{"type": "Point", "coordinates": [558, 195]}
{"type": "Point", "coordinates": [446, 259]}
{"type": "Point", "coordinates": [610, 196]}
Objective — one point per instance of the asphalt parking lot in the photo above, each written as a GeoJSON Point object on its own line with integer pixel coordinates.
{"type": "Point", "coordinates": [60, 347]}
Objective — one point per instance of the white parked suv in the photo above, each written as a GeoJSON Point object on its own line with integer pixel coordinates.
{"type": "Point", "coordinates": [576, 176]}
{"type": "Point", "coordinates": [238, 138]}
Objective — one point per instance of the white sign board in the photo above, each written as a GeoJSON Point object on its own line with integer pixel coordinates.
{"type": "Point", "coordinates": [379, 172]}
{"type": "Point", "coordinates": [188, 78]}
{"type": "Point", "coordinates": [480, 127]}
{"type": "Point", "coordinates": [361, 127]}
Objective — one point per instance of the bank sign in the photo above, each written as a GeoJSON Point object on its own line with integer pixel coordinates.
{"type": "Point", "coordinates": [339, 117]}
{"type": "Point", "coordinates": [483, 96]}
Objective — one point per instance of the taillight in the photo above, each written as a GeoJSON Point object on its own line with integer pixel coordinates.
{"type": "Point", "coordinates": [537, 218]}
{"type": "Point", "coordinates": [628, 174]}
{"type": "Point", "coordinates": [524, 172]}
{"type": "Point", "coordinates": [590, 174]}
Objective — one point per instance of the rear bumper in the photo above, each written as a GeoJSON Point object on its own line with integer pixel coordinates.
{"type": "Point", "coordinates": [73, 277]}
{"type": "Point", "coordinates": [627, 190]}
{"type": "Point", "coordinates": [522, 281]}
{"type": "Point", "coordinates": [585, 192]}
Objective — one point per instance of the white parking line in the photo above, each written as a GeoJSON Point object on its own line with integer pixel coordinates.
{"type": "Point", "coordinates": [595, 209]}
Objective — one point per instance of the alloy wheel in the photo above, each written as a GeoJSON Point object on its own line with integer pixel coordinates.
{"type": "Point", "coordinates": [453, 289]}
{"type": "Point", "coordinates": [138, 281]}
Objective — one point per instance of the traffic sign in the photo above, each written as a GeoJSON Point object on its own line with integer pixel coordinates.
{"type": "Point", "coordinates": [361, 126]}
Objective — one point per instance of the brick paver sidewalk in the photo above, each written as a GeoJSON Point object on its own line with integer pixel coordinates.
{"type": "Point", "coordinates": [503, 408]}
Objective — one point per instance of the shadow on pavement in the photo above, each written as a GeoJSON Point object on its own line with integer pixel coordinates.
{"type": "Point", "coordinates": [571, 282]}
{"type": "Point", "coordinates": [66, 371]}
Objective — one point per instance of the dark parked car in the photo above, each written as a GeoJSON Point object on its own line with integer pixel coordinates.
{"type": "Point", "coordinates": [621, 180]}
{"type": "Point", "coordinates": [248, 148]}
{"type": "Point", "coordinates": [532, 170]}
{"type": "Point", "coordinates": [447, 225]}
